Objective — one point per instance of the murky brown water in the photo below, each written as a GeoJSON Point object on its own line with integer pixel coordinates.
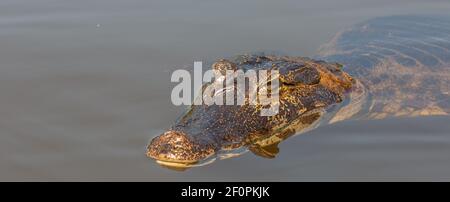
{"type": "Point", "coordinates": [85, 84]}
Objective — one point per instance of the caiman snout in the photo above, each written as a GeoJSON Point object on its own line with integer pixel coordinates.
{"type": "Point", "coordinates": [176, 147]}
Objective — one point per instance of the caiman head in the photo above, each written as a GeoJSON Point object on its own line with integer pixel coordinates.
{"type": "Point", "coordinates": [307, 90]}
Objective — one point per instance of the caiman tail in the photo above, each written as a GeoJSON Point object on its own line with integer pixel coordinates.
{"type": "Point", "coordinates": [401, 62]}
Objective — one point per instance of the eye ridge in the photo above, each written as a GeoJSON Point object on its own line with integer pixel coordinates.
{"type": "Point", "coordinates": [304, 75]}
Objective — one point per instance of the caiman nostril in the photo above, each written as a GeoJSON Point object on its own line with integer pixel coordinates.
{"type": "Point", "coordinates": [168, 141]}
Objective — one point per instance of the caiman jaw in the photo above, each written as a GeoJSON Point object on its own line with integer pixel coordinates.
{"type": "Point", "coordinates": [176, 149]}
{"type": "Point", "coordinates": [207, 131]}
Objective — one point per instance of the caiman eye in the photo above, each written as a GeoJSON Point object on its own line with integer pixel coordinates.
{"type": "Point", "coordinates": [303, 75]}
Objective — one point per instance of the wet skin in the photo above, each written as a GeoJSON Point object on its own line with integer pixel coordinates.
{"type": "Point", "coordinates": [307, 90]}
{"type": "Point", "coordinates": [399, 67]}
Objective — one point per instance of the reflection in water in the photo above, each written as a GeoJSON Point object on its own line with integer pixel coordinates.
{"type": "Point", "coordinates": [262, 147]}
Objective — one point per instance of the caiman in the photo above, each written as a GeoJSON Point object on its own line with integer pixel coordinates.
{"type": "Point", "coordinates": [386, 67]}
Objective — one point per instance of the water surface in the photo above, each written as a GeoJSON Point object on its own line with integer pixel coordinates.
{"type": "Point", "coordinates": [85, 84]}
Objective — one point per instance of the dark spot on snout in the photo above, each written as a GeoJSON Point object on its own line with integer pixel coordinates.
{"type": "Point", "coordinates": [177, 146]}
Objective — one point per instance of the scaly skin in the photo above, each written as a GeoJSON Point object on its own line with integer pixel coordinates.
{"type": "Point", "coordinates": [399, 67]}
{"type": "Point", "coordinates": [308, 88]}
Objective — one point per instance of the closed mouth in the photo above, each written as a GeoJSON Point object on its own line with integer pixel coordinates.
{"type": "Point", "coordinates": [162, 159]}
{"type": "Point", "coordinates": [181, 165]}
{"type": "Point", "coordinates": [176, 164]}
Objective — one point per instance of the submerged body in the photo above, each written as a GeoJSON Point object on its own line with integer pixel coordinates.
{"type": "Point", "coordinates": [309, 89]}
{"type": "Point", "coordinates": [391, 67]}
{"type": "Point", "coordinates": [403, 62]}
